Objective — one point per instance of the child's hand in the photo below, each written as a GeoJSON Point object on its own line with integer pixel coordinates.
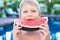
{"type": "Point", "coordinates": [44, 32]}
{"type": "Point", "coordinates": [16, 30]}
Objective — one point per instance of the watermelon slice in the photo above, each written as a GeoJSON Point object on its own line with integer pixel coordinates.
{"type": "Point", "coordinates": [34, 23]}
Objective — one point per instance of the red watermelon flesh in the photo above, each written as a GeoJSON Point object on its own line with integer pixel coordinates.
{"type": "Point", "coordinates": [34, 22]}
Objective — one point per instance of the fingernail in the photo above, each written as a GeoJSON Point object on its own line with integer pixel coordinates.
{"type": "Point", "coordinates": [15, 24]}
{"type": "Point", "coordinates": [19, 25]}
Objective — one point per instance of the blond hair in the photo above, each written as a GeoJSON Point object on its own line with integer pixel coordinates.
{"type": "Point", "coordinates": [30, 1]}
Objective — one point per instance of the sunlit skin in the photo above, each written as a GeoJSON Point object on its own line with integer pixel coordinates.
{"type": "Point", "coordinates": [30, 11]}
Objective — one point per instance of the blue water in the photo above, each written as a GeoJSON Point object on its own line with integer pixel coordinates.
{"type": "Point", "coordinates": [54, 27]}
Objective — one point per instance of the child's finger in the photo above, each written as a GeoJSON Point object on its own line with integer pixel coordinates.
{"type": "Point", "coordinates": [17, 32]}
{"type": "Point", "coordinates": [17, 22]}
{"type": "Point", "coordinates": [44, 26]}
{"type": "Point", "coordinates": [44, 31]}
{"type": "Point", "coordinates": [17, 25]}
{"type": "Point", "coordinates": [44, 34]}
{"type": "Point", "coordinates": [17, 28]}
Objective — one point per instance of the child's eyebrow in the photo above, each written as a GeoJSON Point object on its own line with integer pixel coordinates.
{"type": "Point", "coordinates": [33, 10]}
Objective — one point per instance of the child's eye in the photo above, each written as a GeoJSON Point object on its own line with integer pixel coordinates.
{"type": "Point", "coordinates": [25, 11]}
{"type": "Point", "coordinates": [33, 10]}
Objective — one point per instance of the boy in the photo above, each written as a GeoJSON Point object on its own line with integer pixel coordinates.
{"type": "Point", "coordinates": [29, 9]}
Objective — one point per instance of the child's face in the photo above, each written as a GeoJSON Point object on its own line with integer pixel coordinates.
{"type": "Point", "coordinates": [29, 11]}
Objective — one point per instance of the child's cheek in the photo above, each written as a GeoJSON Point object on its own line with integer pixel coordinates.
{"type": "Point", "coordinates": [23, 17]}
{"type": "Point", "coordinates": [37, 15]}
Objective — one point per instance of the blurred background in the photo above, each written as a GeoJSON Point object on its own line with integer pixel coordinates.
{"type": "Point", "coordinates": [9, 11]}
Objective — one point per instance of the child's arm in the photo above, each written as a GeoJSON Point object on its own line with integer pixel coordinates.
{"type": "Point", "coordinates": [48, 37]}
{"type": "Point", "coordinates": [16, 30]}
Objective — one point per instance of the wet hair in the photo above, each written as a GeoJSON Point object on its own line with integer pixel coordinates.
{"type": "Point", "coordinates": [34, 2]}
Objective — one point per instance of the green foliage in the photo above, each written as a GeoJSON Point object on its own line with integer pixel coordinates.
{"type": "Point", "coordinates": [40, 1]}
{"type": "Point", "coordinates": [57, 12]}
{"type": "Point", "coordinates": [56, 1]}
{"type": "Point", "coordinates": [16, 3]}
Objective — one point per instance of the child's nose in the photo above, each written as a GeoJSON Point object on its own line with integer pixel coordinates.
{"type": "Point", "coordinates": [29, 13]}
